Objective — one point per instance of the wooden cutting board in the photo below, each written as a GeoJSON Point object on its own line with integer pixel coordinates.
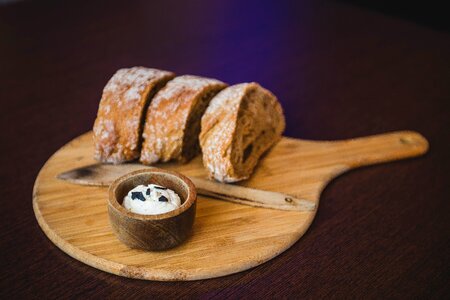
{"type": "Point", "coordinates": [227, 237]}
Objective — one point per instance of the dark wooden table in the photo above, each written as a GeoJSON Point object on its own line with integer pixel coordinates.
{"type": "Point", "coordinates": [340, 71]}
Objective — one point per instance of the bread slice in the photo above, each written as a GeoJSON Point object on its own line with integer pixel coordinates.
{"type": "Point", "coordinates": [172, 123]}
{"type": "Point", "coordinates": [240, 124]}
{"type": "Point", "coordinates": [118, 127]}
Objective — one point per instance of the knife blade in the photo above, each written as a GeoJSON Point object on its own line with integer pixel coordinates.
{"type": "Point", "coordinates": [105, 174]}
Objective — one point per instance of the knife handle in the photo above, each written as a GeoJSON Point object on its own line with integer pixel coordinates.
{"type": "Point", "coordinates": [250, 196]}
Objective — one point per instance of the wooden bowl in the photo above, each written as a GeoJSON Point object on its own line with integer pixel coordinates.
{"type": "Point", "coordinates": [152, 232]}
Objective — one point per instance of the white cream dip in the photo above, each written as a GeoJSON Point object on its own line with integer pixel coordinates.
{"type": "Point", "coordinates": [151, 200]}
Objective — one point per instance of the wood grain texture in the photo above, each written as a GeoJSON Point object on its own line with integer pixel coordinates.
{"type": "Point", "coordinates": [236, 237]}
{"type": "Point", "coordinates": [339, 71]}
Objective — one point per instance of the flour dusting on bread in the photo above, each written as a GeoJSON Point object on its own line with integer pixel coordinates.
{"type": "Point", "coordinates": [172, 124]}
{"type": "Point", "coordinates": [125, 98]}
{"type": "Point", "coordinates": [148, 114]}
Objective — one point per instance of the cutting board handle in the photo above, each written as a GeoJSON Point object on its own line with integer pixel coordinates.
{"type": "Point", "coordinates": [380, 148]}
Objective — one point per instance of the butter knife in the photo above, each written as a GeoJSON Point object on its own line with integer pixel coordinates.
{"type": "Point", "coordinates": [105, 174]}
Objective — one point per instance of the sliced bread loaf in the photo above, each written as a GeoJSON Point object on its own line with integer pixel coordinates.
{"type": "Point", "coordinates": [118, 127]}
{"type": "Point", "coordinates": [172, 123]}
{"type": "Point", "coordinates": [240, 124]}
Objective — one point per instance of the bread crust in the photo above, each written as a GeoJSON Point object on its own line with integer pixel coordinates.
{"type": "Point", "coordinates": [241, 123]}
{"type": "Point", "coordinates": [172, 123]}
{"type": "Point", "coordinates": [125, 98]}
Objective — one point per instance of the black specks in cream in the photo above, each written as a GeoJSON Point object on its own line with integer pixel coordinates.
{"type": "Point", "coordinates": [163, 199]}
{"type": "Point", "coordinates": [137, 196]}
